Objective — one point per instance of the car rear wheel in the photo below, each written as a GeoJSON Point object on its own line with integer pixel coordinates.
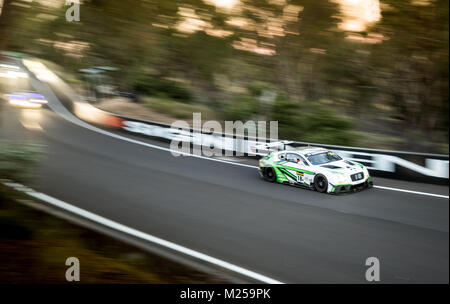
{"type": "Point", "coordinates": [269, 174]}
{"type": "Point", "coordinates": [320, 183]}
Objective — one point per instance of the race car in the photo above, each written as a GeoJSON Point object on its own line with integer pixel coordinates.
{"type": "Point", "coordinates": [26, 100]}
{"type": "Point", "coordinates": [315, 168]}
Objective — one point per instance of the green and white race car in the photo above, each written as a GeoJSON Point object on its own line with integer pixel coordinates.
{"type": "Point", "coordinates": [312, 167]}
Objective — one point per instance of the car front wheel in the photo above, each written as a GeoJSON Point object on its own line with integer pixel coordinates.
{"type": "Point", "coordinates": [320, 183]}
{"type": "Point", "coordinates": [269, 174]}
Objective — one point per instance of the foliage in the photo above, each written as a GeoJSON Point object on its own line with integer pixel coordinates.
{"type": "Point", "coordinates": [176, 109]}
{"type": "Point", "coordinates": [314, 122]}
{"type": "Point", "coordinates": [322, 124]}
{"type": "Point", "coordinates": [241, 108]}
{"type": "Point", "coordinates": [399, 61]}
{"type": "Point", "coordinates": [257, 88]}
{"type": "Point", "coordinates": [288, 115]}
{"type": "Point", "coordinates": [160, 87]}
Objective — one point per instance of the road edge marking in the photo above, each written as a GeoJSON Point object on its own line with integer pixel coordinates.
{"type": "Point", "coordinates": [411, 191]}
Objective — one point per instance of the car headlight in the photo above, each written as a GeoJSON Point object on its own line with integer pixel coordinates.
{"type": "Point", "coordinates": [261, 163]}
{"type": "Point", "coordinates": [366, 172]}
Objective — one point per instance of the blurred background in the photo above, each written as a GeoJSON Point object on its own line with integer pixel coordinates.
{"type": "Point", "coordinates": [366, 73]}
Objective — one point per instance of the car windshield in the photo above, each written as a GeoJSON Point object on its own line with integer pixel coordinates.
{"type": "Point", "coordinates": [323, 158]}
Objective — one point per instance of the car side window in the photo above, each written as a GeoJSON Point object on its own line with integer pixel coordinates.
{"type": "Point", "coordinates": [295, 158]}
{"type": "Point", "coordinates": [291, 157]}
{"type": "Point", "coordinates": [304, 161]}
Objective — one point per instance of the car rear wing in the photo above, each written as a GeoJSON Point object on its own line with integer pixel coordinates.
{"type": "Point", "coordinates": [266, 148]}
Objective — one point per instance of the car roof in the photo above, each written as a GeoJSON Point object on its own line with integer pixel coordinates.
{"type": "Point", "coordinates": [305, 150]}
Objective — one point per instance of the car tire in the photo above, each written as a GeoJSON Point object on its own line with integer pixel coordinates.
{"type": "Point", "coordinates": [269, 174]}
{"type": "Point", "coordinates": [320, 183]}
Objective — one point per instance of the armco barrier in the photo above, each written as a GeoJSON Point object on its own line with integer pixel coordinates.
{"type": "Point", "coordinates": [420, 167]}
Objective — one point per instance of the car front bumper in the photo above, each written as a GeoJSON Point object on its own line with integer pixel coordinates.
{"type": "Point", "coordinates": [353, 188]}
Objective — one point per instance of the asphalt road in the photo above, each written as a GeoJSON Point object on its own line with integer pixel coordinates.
{"type": "Point", "coordinates": [226, 211]}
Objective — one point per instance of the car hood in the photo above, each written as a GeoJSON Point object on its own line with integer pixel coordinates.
{"type": "Point", "coordinates": [343, 166]}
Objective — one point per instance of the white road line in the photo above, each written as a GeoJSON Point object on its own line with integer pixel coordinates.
{"type": "Point", "coordinates": [410, 191]}
{"type": "Point", "coordinates": [139, 234]}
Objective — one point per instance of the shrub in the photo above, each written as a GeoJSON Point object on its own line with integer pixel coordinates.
{"type": "Point", "coordinates": [325, 125]}
{"type": "Point", "coordinates": [160, 87]}
{"type": "Point", "coordinates": [288, 115]}
{"type": "Point", "coordinates": [313, 122]}
{"type": "Point", "coordinates": [176, 109]}
{"type": "Point", "coordinates": [241, 108]}
{"type": "Point", "coordinates": [256, 88]}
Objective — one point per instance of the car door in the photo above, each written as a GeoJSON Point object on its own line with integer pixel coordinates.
{"type": "Point", "coordinates": [296, 165]}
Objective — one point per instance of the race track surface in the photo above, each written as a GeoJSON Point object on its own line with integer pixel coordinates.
{"type": "Point", "coordinates": [228, 212]}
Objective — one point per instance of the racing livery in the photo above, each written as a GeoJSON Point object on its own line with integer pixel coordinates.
{"type": "Point", "coordinates": [314, 167]}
